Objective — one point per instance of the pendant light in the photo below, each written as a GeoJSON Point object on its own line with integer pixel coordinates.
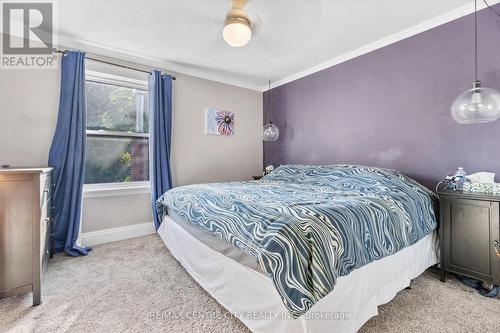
{"type": "Point", "coordinates": [477, 105]}
{"type": "Point", "coordinates": [237, 30]}
{"type": "Point", "coordinates": [270, 131]}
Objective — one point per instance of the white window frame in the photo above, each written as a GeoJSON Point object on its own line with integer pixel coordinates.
{"type": "Point", "coordinates": [124, 188]}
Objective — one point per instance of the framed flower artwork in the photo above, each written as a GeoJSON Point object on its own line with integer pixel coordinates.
{"type": "Point", "coordinates": [219, 122]}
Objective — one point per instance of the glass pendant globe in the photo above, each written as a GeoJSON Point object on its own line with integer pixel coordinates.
{"type": "Point", "coordinates": [270, 133]}
{"type": "Point", "coordinates": [477, 105]}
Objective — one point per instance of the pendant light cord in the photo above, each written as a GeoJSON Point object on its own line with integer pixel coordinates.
{"type": "Point", "coordinates": [475, 40]}
{"type": "Point", "coordinates": [475, 34]}
{"type": "Point", "coordinates": [268, 113]}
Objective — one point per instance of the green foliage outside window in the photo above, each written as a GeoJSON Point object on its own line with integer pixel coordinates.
{"type": "Point", "coordinates": [119, 158]}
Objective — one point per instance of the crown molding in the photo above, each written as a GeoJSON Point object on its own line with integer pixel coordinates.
{"type": "Point", "coordinates": [127, 56]}
{"type": "Point", "coordinates": [419, 28]}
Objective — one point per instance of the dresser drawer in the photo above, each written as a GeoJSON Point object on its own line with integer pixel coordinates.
{"type": "Point", "coordinates": [46, 230]}
{"type": "Point", "coordinates": [45, 210]}
{"type": "Point", "coordinates": [46, 222]}
{"type": "Point", "coordinates": [45, 188]}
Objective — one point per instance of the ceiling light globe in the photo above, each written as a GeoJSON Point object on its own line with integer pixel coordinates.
{"type": "Point", "coordinates": [270, 133]}
{"type": "Point", "coordinates": [237, 33]}
{"type": "Point", "coordinates": [477, 105]}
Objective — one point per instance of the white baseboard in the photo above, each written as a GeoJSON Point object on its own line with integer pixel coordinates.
{"type": "Point", "coordinates": [115, 234]}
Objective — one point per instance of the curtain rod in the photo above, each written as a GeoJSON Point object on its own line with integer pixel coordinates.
{"type": "Point", "coordinates": [113, 64]}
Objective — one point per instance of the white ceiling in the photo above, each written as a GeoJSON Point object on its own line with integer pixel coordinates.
{"type": "Point", "coordinates": [292, 37]}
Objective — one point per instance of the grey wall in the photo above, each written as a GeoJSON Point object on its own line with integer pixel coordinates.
{"type": "Point", "coordinates": [28, 111]}
{"type": "Point", "coordinates": [198, 157]}
{"type": "Point", "coordinates": [391, 107]}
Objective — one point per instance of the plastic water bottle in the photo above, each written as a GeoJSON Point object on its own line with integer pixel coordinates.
{"type": "Point", "coordinates": [460, 174]}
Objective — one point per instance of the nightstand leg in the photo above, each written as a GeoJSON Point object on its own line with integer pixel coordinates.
{"type": "Point", "coordinates": [442, 272]}
{"type": "Point", "coordinates": [442, 275]}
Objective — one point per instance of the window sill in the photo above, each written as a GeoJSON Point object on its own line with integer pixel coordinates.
{"type": "Point", "coordinates": [115, 189]}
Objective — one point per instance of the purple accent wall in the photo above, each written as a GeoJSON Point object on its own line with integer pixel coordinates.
{"type": "Point", "coordinates": [391, 107]}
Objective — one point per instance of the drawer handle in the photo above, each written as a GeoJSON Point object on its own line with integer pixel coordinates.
{"type": "Point", "coordinates": [496, 245]}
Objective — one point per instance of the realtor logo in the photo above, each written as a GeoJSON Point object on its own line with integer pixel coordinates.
{"type": "Point", "coordinates": [27, 35]}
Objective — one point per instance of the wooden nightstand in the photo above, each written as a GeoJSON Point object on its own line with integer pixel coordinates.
{"type": "Point", "coordinates": [469, 234]}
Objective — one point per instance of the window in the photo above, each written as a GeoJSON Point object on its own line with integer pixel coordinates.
{"type": "Point", "coordinates": [117, 133]}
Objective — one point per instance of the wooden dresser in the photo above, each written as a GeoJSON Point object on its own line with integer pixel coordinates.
{"type": "Point", "coordinates": [25, 229]}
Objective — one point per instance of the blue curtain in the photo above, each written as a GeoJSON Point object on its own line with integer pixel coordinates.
{"type": "Point", "coordinates": [160, 134]}
{"type": "Point", "coordinates": [67, 154]}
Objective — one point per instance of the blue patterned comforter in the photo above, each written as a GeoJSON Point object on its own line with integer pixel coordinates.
{"type": "Point", "coordinates": [308, 225]}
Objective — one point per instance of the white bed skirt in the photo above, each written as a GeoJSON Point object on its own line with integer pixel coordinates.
{"type": "Point", "coordinates": [252, 297]}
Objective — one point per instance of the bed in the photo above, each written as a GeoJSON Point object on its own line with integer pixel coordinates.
{"type": "Point", "coordinates": [306, 248]}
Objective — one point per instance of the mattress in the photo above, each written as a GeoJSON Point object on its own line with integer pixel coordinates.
{"type": "Point", "coordinates": [217, 244]}
{"type": "Point", "coordinates": [252, 297]}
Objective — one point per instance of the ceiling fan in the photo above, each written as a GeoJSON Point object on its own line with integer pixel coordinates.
{"type": "Point", "coordinates": [237, 30]}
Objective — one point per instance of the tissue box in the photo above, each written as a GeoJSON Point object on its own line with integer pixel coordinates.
{"type": "Point", "coordinates": [491, 188]}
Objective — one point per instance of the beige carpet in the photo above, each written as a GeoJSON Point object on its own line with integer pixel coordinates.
{"type": "Point", "coordinates": [120, 285]}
